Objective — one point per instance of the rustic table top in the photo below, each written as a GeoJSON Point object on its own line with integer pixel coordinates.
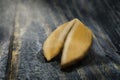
{"type": "Point", "coordinates": [25, 24]}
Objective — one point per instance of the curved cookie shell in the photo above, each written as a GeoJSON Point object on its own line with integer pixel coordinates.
{"type": "Point", "coordinates": [55, 41]}
{"type": "Point", "coordinates": [76, 44]}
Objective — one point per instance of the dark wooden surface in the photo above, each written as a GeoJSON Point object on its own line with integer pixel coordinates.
{"type": "Point", "coordinates": [25, 24]}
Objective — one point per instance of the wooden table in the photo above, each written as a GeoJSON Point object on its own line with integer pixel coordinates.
{"type": "Point", "coordinates": [25, 24]}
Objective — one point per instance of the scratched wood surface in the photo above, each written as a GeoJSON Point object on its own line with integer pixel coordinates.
{"type": "Point", "coordinates": [25, 24]}
{"type": "Point", "coordinates": [7, 14]}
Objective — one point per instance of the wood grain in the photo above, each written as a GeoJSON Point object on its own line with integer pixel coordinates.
{"type": "Point", "coordinates": [36, 19]}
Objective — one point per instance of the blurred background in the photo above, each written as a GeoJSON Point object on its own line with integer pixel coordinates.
{"type": "Point", "coordinates": [34, 20]}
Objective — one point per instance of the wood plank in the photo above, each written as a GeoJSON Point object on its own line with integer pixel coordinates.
{"type": "Point", "coordinates": [29, 52]}
{"type": "Point", "coordinates": [36, 19]}
{"type": "Point", "coordinates": [7, 13]}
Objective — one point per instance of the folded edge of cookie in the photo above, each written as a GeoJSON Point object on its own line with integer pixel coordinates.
{"type": "Point", "coordinates": [76, 44]}
{"type": "Point", "coordinates": [55, 40]}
